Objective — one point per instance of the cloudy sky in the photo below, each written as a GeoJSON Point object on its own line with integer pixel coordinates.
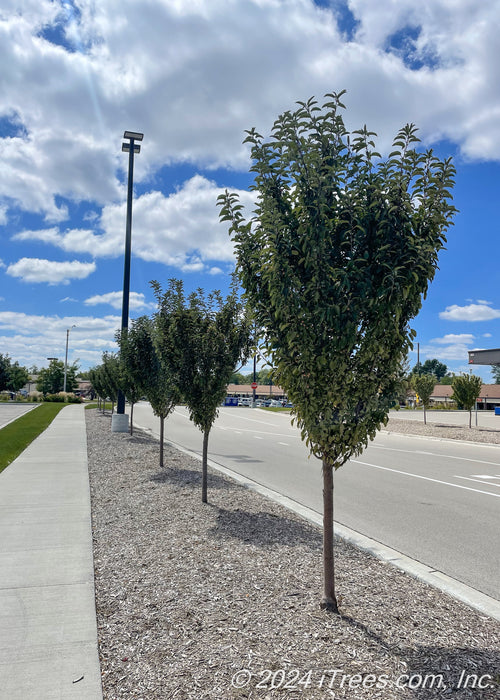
{"type": "Point", "coordinates": [192, 76]}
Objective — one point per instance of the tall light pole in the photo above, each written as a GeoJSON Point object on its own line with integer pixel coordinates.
{"type": "Point", "coordinates": [119, 421]}
{"type": "Point", "coordinates": [66, 357]}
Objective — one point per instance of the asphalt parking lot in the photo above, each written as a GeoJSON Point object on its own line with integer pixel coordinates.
{"type": "Point", "coordinates": [10, 411]}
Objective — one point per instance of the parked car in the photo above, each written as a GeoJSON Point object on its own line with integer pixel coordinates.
{"type": "Point", "coordinates": [274, 403]}
{"type": "Point", "coordinates": [243, 401]}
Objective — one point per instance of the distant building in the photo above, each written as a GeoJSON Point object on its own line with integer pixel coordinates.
{"type": "Point", "coordinates": [263, 391]}
{"type": "Point", "coordinates": [488, 399]}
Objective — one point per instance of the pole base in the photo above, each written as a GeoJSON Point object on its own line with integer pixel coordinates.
{"type": "Point", "coordinates": [119, 423]}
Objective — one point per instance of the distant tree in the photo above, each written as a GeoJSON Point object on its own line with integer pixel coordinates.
{"type": "Point", "coordinates": [466, 389]}
{"type": "Point", "coordinates": [201, 340]}
{"type": "Point", "coordinates": [18, 377]}
{"type": "Point", "coordinates": [237, 378]}
{"type": "Point", "coordinates": [264, 376]}
{"type": "Point", "coordinates": [4, 371]}
{"type": "Point", "coordinates": [424, 386]}
{"type": "Point", "coordinates": [334, 262]}
{"type": "Point", "coordinates": [438, 369]}
{"type": "Point", "coordinates": [147, 367]}
{"type": "Point", "coordinates": [495, 371]}
{"type": "Point", "coordinates": [417, 369]}
{"type": "Point", "coordinates": [447, 379]}
{"type": "Point", "coordinates": [51, 378]}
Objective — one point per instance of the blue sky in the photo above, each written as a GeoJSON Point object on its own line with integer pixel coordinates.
{"type": "Point", "coordinates": [192, 76]}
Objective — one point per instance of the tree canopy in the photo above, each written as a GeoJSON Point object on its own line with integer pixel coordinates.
{"type": "Point", "coordinates": [334, 262]}
{"type": "Point", "coordinates": [12, 375]}
{"type": "Point", "coordinates": [51, 378]}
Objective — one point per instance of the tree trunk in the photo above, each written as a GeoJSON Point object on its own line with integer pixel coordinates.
{"type": "Point", "coordinates": [204, 475]}
{"type": "Point", "coordinates": [329, 599]}
{"type": "Point", "coordinates": [470, 419]}
{"type": "Point", "coordinates": [425, 421]}
{"type": "Point", "coordinates": [131, 418]}
{"type": "Point", "coordinates": [162, 426]}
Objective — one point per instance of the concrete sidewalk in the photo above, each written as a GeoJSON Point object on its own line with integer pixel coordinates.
{"type": "Point", "coordinates": [48, 632]}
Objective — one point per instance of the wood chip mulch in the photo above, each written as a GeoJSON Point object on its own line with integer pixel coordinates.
{"type": "Point", "coordinates": [221, 600]}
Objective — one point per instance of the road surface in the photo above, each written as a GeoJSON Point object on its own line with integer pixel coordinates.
{"type": "Point", "coordinates": [436, 501]}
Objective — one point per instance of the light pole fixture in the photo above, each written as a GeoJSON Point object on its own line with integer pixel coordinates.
{"type": "Point", "coordinates": [119, 421]}
{"type": "Point", "coordinates": [66, 357]}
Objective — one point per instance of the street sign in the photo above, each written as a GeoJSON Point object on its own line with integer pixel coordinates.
{"type": "Point", "coordinates": [254, 385]}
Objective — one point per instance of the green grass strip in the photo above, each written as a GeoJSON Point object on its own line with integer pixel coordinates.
{"type": "Point", "coordinates": [275, 409]}
{"type": "Point", "coordinates": [16, 436]}
{"type": "Point", "coordinates": [107, 407]}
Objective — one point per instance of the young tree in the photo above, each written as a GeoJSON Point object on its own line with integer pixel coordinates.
{"type": "Point", "coordinates": [424, 386]}
{"type": "Point", "coordinates": [201, 341]}
{"type": "Point", "coordinates": [334, 262]}
{"type": "Point", "coordinates": [147, 368]}
{"type": "Point", "coordinates": [132, 375]}
{"type": "Point", "coordinates": [466, 389]}
{"type": "Point", "coordinates": [96, 379]}
{"type": "Point", "coordinates": [110, 377]}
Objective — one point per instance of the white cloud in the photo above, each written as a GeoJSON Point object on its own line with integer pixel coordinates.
{"type": "Point", "coordinates": [487, 335]}
{"type": "Point", "coordinates": [37, 270]}
{"type": "Point", "coordinates": [114, 299]}
{"type": "Point", "coordinates": [182, 230]}
{"type": "Point", "coordinates": [37, 337]}
{"type": "Point", "coordinates": [450, 347]}
{"type": "Point", "coordinates": [471, 312]}
{"type": "Point", "coordinates": [454, 351]}
{"type": "Point", "coordinates": [192, 76]}
{"type": "Point", "coordinates": [463, 338]}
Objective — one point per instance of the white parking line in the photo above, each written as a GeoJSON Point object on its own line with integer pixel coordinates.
{"type": "Point", "coordinates": [478, 481]}
{"type": "Point", "coordinates": [425, 478]}
{"type": "Point", "coordinates": [433, 454]}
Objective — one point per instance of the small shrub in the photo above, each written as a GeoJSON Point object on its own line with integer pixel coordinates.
{"type": "Point", "coordinates": [53, 398]}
